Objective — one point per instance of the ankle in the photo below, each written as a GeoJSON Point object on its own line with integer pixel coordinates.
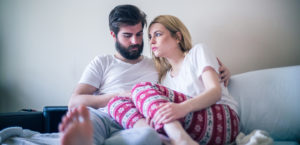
{"type": "Point", "coordinates": [140, 123]}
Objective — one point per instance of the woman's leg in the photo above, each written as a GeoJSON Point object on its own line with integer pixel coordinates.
{"type": "Point", "coordinates": [215, 125]}
{"type": "Point", "coordinates": [147, 97]}
{"type": "Point", "coordinates": [125, 113]}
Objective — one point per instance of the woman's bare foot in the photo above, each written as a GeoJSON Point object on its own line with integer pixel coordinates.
{"type": "Point", "coordinates": [76, 127]}
{"type": "Point", "coordinates": [184, 140]}
{"type": "Point", "coordinates": [140, 123]}
{"type": "Point", "coordinates": [178, 135]}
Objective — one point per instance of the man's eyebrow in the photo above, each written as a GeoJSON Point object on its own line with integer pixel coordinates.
{"type": "Point", "coordinates": [127, 33]}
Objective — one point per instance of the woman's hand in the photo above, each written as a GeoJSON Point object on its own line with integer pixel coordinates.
{"type": "Point", "coordinates": [169, 112]}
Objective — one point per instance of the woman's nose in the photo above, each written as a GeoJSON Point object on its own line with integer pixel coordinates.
{"type": "Point", "coordinates": [152, 40]}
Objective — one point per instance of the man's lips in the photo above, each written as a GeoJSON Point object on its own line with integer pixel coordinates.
{"type": "Point", "coordinates": [134, 49]}
{"type": "Point", "coordinates": [154, 48]}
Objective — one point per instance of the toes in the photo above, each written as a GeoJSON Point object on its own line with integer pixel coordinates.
{"type": "Point", "coordinates": [84, 113]}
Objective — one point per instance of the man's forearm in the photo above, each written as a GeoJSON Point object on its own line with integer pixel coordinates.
{"type": "Point", "coordinates": [94, 101]}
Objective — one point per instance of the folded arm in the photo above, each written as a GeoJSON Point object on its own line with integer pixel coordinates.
{"type": "Point", "coordinates": [83, 95]}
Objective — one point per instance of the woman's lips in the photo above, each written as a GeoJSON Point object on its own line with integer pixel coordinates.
{"type": "Point", "coordinates": [154, 48]}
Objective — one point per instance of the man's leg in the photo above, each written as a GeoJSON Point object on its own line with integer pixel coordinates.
{"type": "Point", "coordinates": [76, 128]}
{"type": "Point", "coordinates": [135, 136]}
{"type": "Point", "coordinates": [105, 130]}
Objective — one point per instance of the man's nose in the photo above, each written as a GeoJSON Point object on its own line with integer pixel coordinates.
{"type": "Point", "coordinates": [134, 40]}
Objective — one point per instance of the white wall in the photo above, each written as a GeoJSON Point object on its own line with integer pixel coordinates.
{"type": "Point", "coordinates": [45, 45]}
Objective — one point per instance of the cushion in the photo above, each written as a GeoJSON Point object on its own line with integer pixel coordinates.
{"type": "Point", "coordinates": [269, 100]}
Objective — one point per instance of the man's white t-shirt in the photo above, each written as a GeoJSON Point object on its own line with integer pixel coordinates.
{"type": "Point", "coordinates": [189, 81]}
{"type": "Point", "coordinates": [111, 75]}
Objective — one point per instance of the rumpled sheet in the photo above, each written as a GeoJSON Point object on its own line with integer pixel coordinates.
{"type": "Point", "coordinates": [17, 136]}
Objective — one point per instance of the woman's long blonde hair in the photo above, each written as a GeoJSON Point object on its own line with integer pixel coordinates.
{"type": "Point", "coordinates": [174, 25]}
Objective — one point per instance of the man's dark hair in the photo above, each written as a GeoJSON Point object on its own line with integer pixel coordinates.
{"type": "Point", "coordinates": [125, 15]}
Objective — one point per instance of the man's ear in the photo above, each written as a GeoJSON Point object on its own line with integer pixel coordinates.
{"type": "Point", "coordinates": [113, 35]}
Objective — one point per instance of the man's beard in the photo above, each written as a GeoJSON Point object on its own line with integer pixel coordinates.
{"type": "Point", "coordinates": [128, 53]}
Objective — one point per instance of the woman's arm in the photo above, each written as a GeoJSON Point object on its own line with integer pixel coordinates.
{"type": "Point", "coordinates": [210, 96]}
{"type": "Point", "coordinates": [172, 111]}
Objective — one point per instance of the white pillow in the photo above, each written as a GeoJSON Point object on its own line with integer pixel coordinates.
{"type": "Point", "coordinates": [269, 100]}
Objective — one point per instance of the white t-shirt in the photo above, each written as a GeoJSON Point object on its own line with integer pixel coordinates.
{"type": "Point", "coordinates": [111, 75]}
{"type": "Point", "coordinates": [189, 81]}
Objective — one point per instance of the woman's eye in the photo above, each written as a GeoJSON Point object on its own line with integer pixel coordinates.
{"type": "Point", "coordinates": [157, 34]}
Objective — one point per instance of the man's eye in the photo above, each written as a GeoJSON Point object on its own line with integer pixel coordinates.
{"type": "Point", "coordinates": [127, 36]}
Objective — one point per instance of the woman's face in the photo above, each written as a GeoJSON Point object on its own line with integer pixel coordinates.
{"type": "Point", "coordinates": [162, 43]}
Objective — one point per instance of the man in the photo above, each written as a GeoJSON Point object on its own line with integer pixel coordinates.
{"type": "Point", "coordinates": [108, 76]}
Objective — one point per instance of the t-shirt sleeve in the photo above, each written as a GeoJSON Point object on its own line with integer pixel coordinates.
{"type": "Point", "coordinates": [203, 57]}
{"type": "Point", "coordinates": [93, 73]}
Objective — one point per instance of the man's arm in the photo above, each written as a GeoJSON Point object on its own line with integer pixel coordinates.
{"type": "Point", "coordinates": [83, 95]}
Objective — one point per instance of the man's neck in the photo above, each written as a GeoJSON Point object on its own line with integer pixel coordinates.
{"type": "Point", "coordinates": [131, 61]}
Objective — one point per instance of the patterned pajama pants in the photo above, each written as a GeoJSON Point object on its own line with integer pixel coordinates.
{"type": "Point", "coordinates": [217, 124]}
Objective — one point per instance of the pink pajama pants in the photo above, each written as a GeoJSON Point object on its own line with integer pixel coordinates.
{"type": "Point", "coordinates": [217, 124]}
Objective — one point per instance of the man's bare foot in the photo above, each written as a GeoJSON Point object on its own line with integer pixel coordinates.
{"type": "Point", "coordinates": [76, 127]}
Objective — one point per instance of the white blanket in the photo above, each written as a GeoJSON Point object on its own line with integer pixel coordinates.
{"type": "Point", "coordinates": [256, 137]}
{"type": "Point", "coordinates": [17, 136]}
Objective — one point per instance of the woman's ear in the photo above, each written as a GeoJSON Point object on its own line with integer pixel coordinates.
{"type": "Point", "coordinates": [178, 36]}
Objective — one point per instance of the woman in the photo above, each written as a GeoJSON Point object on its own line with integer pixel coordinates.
{"type": "Point", "coordinates": [203, 112]}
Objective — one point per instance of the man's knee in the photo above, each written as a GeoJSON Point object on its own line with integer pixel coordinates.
{"type": "Point", "coordinates": [138, 136]}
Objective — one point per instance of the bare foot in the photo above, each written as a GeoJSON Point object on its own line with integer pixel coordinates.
{"type": "Point", "coordinates": [76, 127]}
{"type": "Point", "coordinates": [140, 123]}
{"type": "Point", "coordinates": [178, 135]}
{"type": "Point", "coordinates": [184, 142]}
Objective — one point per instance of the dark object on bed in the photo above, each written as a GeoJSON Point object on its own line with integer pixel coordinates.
{"type": "Point", "coordinates": [44, 122]}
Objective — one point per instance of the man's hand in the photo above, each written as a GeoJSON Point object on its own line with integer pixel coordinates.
{"type": "Point", "coordinates": [169, 112]}
{"type": "Point", "coordinates": [224, 73]}
{"type": "Point", "coordinates": [125, 94]}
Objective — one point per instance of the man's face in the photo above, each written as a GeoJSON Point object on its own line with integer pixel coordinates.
{"type": "Point", "coordinates": [129, 41]}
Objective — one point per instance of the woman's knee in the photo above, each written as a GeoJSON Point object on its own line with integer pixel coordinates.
{"type": "Point", "coordinates": [142, 85]}
{"type": "Point", "coordinates": [117, 102]}
{"type": "Point", "coordinates": [140, 88]}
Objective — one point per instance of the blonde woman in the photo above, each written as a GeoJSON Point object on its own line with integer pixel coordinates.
{"type": "Point", "coordinates": [191, 105]}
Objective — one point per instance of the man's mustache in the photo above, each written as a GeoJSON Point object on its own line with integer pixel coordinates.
{"type": "Point", "coordinates": [136, 45]}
